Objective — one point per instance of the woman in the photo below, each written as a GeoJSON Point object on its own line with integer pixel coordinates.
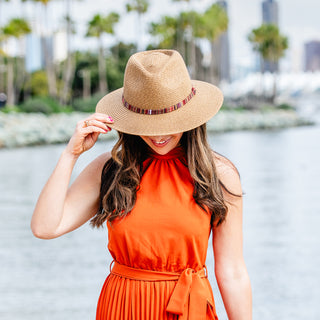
{"type": "Point", "coordinates": [160, 191]}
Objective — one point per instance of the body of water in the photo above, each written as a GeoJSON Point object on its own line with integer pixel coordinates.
{"type": "Point", "coordinates": [61, 278]}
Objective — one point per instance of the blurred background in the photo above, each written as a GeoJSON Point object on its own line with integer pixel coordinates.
{"type": "Point", "coordinates": [58, 58]}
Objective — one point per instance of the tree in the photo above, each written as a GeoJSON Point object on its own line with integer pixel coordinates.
{"type": "Point", "coordinates": [215, 22]}
{"type": "Point", "coordinates": [1, 39]}
{"type": "Point", "coordinates": [181, 28]}
{"type": "Point", "coordinates": [268, 41]}
{"type": "Point", "coordinates": [170, 30]}
{"type": "Point", "coordinates": [190, 25]}
{"type": "Point", "coordinates": [166, 32]}
{"type": "Point", "coordinates": [50, 70]}
{"type": "Point", "coordinates": [190, 28]}
{"type": "Point", "coordinates": [68, 70]}
{"type": "Point", "coordinates": [97, 27]}
{"type": "Point", "coordinates": [2, 53]}
{"type": "Point", "coordinates": [16, 28]}
{"type": "Point", "coordinates": [2, 63]}
{"type": "Point", "coordinates": [140, 7]}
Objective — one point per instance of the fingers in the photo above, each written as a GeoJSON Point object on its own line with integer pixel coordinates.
{"type": "Point", "coordinates": [96, 124]}
{"type": "Point", "coordinates": [97, 120]}
{"type": "Point", "coordinates": [100, 117]}
{"type": "Point", "coordinates": [92, 129]}
{"type": "Point", "coordinates": [87, 132]}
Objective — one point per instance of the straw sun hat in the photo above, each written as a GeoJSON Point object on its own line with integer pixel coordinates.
{"type": "Point", "coordinates": [158, 97]}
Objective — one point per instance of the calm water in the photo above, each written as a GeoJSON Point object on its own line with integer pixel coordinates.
{"type": "Point", "coordinates": [62, 278]}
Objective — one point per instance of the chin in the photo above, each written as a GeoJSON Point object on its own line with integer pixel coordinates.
{"type": "Point", "coordinates": [162, 144]}
{"type": "Point", "coordinates": [162, 151]}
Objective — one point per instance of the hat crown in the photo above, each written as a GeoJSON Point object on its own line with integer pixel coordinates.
{"type": "Point", "coordinates": [156, 79]}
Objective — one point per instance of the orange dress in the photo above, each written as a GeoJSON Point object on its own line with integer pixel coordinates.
{"type": "Point", "coordinates": [159, 250]}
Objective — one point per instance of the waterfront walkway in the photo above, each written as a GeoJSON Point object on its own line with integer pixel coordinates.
{"type": "Point", "coordinates": [20, 129]}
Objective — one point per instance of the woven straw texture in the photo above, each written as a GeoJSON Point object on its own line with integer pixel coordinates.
{"type": "Point", "coordinates": [157, 80]}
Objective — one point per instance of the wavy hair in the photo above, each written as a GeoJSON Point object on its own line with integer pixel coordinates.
{"type": "Point", "coordinates": [121, 174]}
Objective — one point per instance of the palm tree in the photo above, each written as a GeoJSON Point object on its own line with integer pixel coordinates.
{"type": "Point", "coordinates": [189, 29]}
{"type": "Point", "coordinates": [3, 68]}
{"type": "Point", "coordinates": [2, 38]}
{"type": "Point", "coordinates": [50, 70]}
{"type": "Point", "coordinates": [169, 31]}
{"type": "Point", "coordinates": [140, 7]}
{"type": "Point", "coordinates": [181, 27]}
{"type": "Point", "coordinates": [268, 41]}
{"type": "Point", "coordinates": [97, 27]}
{"type": "Point", "coordinates": [68, 70]}
{"type": "Point", "coordinates": [191, 25]}
{"type": "Point", "coordinates": [166, 32]}
{"type": "Point", "coordinates": [215, 22]}
{"type": "Point", "coordinates": [16, 28]}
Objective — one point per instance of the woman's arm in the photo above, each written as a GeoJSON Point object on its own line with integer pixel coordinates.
{"type": "Point", "coordinates": [230, 269]}
{"type": "Point", "coordinates": [61, 209]}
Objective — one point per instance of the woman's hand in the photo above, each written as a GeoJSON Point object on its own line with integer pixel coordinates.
{"type": "Point", "coordinates": [87, 132]}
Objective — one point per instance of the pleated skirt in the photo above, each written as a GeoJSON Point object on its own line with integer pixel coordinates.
{"type": "Point", "coordinates": [126, 299]}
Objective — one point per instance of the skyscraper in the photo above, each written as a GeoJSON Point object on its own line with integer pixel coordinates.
{"type": "Point", "coordinates": [312, 56]}
{"type": "Point", "coordinates": [221, 50]}
{"type": "Point", "coordinates": [270, 12]}
{"type": "Point", "coordinates": [270, 15]}
{"type": "Point", "coordinates": [33, 59]}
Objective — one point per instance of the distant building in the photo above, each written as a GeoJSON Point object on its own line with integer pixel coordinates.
{"type": "Point", "coordinates": [37, 45]}
{"type": "Point", "coordinates": [270, 12]}
{"type": "Point", "coordinates": [270, 15]}
{"type": "Point", "coordinates": [312, 56]}
{"type": "Point", "coordinates": [222, 51]}
{"type": "Point", "coordinates": [33, 53]}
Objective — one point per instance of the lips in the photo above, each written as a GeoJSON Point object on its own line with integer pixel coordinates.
{"type": "Point", "coordinates": [160, 143]}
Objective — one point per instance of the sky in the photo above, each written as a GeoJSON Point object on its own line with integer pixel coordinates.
{"type": "Point", "coordinates": [299, 20]}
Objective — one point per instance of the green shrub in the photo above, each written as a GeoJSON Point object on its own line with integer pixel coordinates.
{"type": "Point", "coordinates": [37, 84]}
{"type": "Point", "coordinates": [267, 108]}
{"type": "Point", "coordinates": [87, 105]}
{"type": "Point", "coordinates": [44, 105]}
{"type": "Point", "coordinates": [8, 109]}
{"type": "Point", "coordinates": [285, 106]}
{"type": "Point", "coordinates": [226, 107]}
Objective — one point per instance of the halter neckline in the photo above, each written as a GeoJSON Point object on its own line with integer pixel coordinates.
{"type": "Point", "coordinates": [177, 152]}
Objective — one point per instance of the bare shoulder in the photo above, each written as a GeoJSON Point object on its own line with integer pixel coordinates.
{"type": "Point", "coordinates": [100, 161]}
{"type": "Point", "coordinates": [93, 169]}
{"type": "Point", "coordinates": [227, 173]}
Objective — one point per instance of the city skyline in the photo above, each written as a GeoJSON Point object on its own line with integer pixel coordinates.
{"type": "Point", "coordinates": [312, 56]}
{"type": "Point", "coordinates": [244, 16]}
{"type": "Point", "coordinates": [270, 15]}
{"type": "Point", "coordinates": [222, 50]}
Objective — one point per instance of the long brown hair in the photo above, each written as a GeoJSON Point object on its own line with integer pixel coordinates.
{"type": "Point", "coordinates": [121, 176]}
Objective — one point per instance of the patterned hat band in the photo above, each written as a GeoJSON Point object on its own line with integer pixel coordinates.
{"type": "Point", "coordinates": [159, 111]}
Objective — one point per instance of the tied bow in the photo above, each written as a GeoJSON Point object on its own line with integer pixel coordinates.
{"type": "Point", "coordinates": [190, 297]}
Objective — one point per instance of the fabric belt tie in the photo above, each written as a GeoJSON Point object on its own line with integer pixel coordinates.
{"type": "Point", "coordinates": [190, 296]}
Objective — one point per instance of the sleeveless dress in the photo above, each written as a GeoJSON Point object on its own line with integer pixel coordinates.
{"type": "Point", "coordinates": [165, 234]}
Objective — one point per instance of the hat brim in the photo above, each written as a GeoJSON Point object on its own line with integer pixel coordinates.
{"type": "Point", "coordinates": [203, 106]}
